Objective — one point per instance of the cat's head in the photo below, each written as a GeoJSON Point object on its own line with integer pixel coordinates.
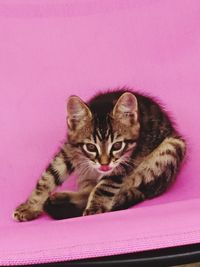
{"type": "Point", "coordinates": [104, 140]}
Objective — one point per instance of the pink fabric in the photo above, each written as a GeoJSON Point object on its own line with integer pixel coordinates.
{"type": "Point", "coordinates": [52, 49]}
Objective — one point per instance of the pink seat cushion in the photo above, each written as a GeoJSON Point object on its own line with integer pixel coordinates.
{"type": "Point", "coordinates": [52, 49]}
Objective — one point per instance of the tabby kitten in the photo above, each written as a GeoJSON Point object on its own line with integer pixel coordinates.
{"type": "Point", "coordinates": [124, 148]}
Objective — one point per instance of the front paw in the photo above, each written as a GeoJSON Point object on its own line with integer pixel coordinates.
{"type": "Point", "coordinates": [94, 210]}
{"type": "Point", "coordinates": [26, 212]}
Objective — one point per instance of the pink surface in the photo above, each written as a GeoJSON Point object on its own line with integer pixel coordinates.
{"type": "Point", "coordinates": [51, 49]}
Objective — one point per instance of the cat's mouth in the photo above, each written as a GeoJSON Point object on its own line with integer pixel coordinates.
{"type": "Point", "coordinates": [105, 169]}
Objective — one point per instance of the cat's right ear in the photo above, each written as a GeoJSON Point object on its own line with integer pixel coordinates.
{"type": "Point", "coordinates": [78, 113]}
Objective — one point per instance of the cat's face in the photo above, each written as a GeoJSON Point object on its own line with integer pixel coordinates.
{"type": "Point", "coordinates": [104, 143]}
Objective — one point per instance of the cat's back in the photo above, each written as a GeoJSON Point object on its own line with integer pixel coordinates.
{"type": "Point", "coordinates": [105, 102]}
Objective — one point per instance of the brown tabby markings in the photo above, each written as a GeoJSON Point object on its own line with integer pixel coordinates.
{"type": "Point", "coordinates": [134, 153]}
{"type": "Point", "coordinates": [133, 188]}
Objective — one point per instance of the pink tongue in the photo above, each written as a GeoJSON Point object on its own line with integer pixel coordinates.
{"type": "Point", "coordinates": [104, 168]}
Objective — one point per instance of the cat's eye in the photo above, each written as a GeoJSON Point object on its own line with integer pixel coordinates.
{"type": "Point", "coordinates": [91, 148]}
{"type": "Point", "coordinates": [117, 146]}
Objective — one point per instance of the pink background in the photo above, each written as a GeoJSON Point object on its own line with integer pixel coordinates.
{"type": "Point", "coordinates": [51, 49]}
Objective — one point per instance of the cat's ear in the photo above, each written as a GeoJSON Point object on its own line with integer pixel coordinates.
{"type": "Point", "coordinates": [78, 113]}
{"type": "Point", "coordinates": [126, 109]}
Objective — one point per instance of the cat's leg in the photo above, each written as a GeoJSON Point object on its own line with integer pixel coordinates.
{"type": "Point", "coordinates": [54, 175]}
{"type": "Point", "coordinates": [62, 205]}
{"type": "Point", "coordinates": [153, 176]}
{"type": "Point", "coordinates": [149, 179]}
{"type": "Point", "coordinates": [102, 196]}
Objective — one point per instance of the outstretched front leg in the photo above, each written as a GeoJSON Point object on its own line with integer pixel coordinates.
{"type": "Point", "coordinates": [154, 174]}
{"type": "Point", "coordinates": [53, 176]}
{"type": "Point", "coordinates": [102, 197]}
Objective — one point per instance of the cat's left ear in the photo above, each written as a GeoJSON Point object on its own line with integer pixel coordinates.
{"type": "Point", "coordinates": [126, 109]}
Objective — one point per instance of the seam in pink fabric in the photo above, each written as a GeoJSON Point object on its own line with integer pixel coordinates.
{"type": "Point", "coordinates": [112, 242]}
{"type": "Point", "coordinates": [67, 9]}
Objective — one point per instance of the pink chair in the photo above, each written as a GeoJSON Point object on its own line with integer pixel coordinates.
{"type": "Point", "coordinates": [51, 49]}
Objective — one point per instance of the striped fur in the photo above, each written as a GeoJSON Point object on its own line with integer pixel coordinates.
{"type": "Point", "coordinates": [124, 148]}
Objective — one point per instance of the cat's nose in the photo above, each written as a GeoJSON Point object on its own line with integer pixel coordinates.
{"type": "Point", "coordinates": [105, 168]}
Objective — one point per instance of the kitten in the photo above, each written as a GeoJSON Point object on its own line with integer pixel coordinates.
{"type": "Point", "coordinates": [124, 148]}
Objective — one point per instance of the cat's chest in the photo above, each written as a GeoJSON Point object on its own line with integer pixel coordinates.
{"type": "Point", "coordinates": [89, 176]}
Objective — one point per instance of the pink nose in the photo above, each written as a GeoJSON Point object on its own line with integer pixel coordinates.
{"type": "Point", "coordinates": [104, 168]}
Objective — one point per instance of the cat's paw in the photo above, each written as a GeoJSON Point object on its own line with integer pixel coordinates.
{"type": "Point", "coordinates": [26, 212]}
{"type": "Point", "coordinates": [94, 210]}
